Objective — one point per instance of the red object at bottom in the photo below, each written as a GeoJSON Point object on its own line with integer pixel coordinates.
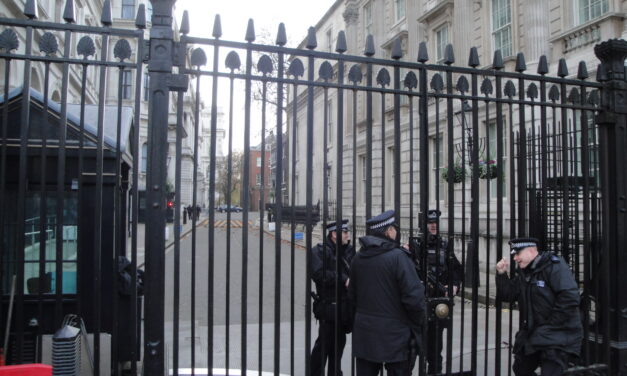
{"type": "Point", "coordinates": [26, 370]}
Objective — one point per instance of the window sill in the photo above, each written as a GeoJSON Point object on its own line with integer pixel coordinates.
{"type": "Point", "coordinates": [585, 34]}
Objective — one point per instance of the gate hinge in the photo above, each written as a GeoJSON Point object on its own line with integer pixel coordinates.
{"type": "Point", "coordinates": [146, 47]}
{"type": "Point", "coordinates": [178, 82]}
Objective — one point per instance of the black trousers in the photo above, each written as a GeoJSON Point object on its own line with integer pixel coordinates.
{"type": "Point", "coordinates": [551, 362]}
{"type": "Point", "coordinates": [434, 347]}
{"type": "Point", "coordinates": [326, 330]}
{"type": "Point", "coordinates": [368, 368]}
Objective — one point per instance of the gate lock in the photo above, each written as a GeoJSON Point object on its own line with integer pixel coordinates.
{"type": "Point", "coordinates": [439, 309]}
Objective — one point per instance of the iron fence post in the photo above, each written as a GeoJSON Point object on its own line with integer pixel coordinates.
{"type": "Point", "coordinates": [160, 68]}
{"type": "Point", "coordinates": [612, 120]}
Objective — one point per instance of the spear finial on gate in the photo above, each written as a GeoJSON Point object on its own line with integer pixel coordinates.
{"type": "Point", "coordinates": [312, 43]}
{"type": "Point", "coordinates": [281, 35]}
{"type": "Point", "coordinates": [521, 65]}
{"type": "Point", "coordinates": [397, 51]}
{"type": "Point", "coordinates": [30, 9]}
{"type": "Point", "coordinates": [473, 59]}
{"type": "Point", "coordinates": [69, 13]}
{"type": "Point", "coordinates": [423, 54]}
{"type": "Point", "coordinates": [106, 18]}
{"type": "Point", "coordinates": [340, 46]}
{"type": "Point", "coordinates": [543, 65]}
{"type": "Point", "coordinates": [449, 55]}
{"type": "Point", "coordinates": [369, 50]}
{"type": "Point", "coordinates": [217, 27]}
{"type": "Point", "coordinates": [184, 29]}
{"type": "Point", "coordinates": [497, 61]}
{"type": "Point", "coordinates": [562, 68]}
{"type": "Point", "coordinates": [250, 31]}
{"type": "Point", "coordinates": [140, 19]}
{"type": "Point", "coordinates": [582, 71]}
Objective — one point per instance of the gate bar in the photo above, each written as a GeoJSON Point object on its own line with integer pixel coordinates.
{"type": "Point", "coordinates": [217, 33]}
{"type": "Point", "coordinates": [160, 68]}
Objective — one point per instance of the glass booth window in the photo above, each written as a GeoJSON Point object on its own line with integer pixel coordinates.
{"type": "Point", "coordinates": [40, 246]}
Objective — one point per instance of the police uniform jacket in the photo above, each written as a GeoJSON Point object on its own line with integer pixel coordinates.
{"type": "Point", "coordinates": [388, 299]}
{"type": "Point", "coordinates": [549, 305]}
{"type": "Point", "coordinates": [323, 268]}
{"type": "Point", "coordinates": [440, 268]}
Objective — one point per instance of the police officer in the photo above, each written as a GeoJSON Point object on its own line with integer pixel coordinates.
{"type": "Point", "coordinates": [323, 273]}
{"type": "Point", "coordinates": [388, 299]}
{"type": "Point", "coordinates": [548, 298]}
{"type": "Point", "coordinates": [440, 272]}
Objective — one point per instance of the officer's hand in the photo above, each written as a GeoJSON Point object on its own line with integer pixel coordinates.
{"type": "Point", "coordinates": [406, 246]}
{"type": "Point", "coordinates": [347, 281]}
{"type": "Point", "coordinates": [502, 266]}
{"type": "Point", "coordinates": [454, 290]}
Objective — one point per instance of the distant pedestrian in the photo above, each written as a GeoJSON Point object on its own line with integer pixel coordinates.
{"type": "Point", "coordinates": [324, 273]}
{"type": "Point", "coordinates": [388, 299]}
{"type": "Point", "coordinates": [548, 297]}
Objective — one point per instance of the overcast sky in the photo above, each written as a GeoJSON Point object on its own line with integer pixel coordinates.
{"type": "Point", "coordinates": [297, 15]}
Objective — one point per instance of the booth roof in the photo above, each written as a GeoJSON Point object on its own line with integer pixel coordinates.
{"type": "Point", "coordinates": [91, 117]}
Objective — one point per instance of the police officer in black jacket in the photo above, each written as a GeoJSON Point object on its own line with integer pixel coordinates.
{"type": "Point", "coordinates": [323, 273]}
{"type": "Point", "coordinates": [388, 299]}
{"type": "Point", "coordinates": [443, 268]}
{"type": "Point", "coordinates": [548, 298]}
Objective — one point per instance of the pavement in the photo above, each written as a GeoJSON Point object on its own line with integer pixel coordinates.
{"type": "Point", "coordinates": [261, 353]}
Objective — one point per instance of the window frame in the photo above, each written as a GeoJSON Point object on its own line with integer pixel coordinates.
{"type": "Point", "coordinates": [127, 84]}
{"type": "Point", "coordinates": [126, 7]}
{"type": "Point", "coordinates": [440, 54]}
{"type": "Point", "coordinates": [507, 28]}
{"type": "Point", "coordinates": [437, 140]}
{"type": "Point", "coordinates": [577, 14]}
{"type": "Point", "coordinates": [146, 86]}
{"type": "Point", "coordinates": [492, 138]}
{"type": "Point", "coordinates": [400, 12]}
{"type": "Point", "coordinates": [368, 23]}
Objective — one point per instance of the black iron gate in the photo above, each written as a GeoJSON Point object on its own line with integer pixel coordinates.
{"type": "Point", "coordinates": [501, 154]}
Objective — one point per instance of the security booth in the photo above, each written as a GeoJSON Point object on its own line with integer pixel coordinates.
{"type": "Point", "coordinates": [52, 228]}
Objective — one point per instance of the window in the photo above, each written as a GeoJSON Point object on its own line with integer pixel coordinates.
{"type": "Point", "coordinates": [368, 19]}
{"type": "Point", "coordinates": [399, 9]}
{"type": "Point", "coordinates": [148, 11]}
{"type": "Point", "coordinates": [146, 86]}
{"type": "Point", "coordinates": [127, 79]}
{"type": "Point", "coordinates": [590, 9]}
{"type": "Point", "coordinates": [361, 170]}
{"type": "Point", "coordinates": [441, 41]}
{"type": "Point", "coordinates": [258, 161]}
{"type": "Point", "coordinates": [128, 9]}
{"type": "Point", "coordinates": [502, 26]}
{"type": "Point", "coordinates": [144, 156]}
{"type": "Point", "coordinates": [258, 180]}
{"type": "Point", "coordinates": [36, 280]}
{"type": "Point", "coordinates": [389, 176]}
{"type": "Point", "coordinates": [295, 140]}
{"type": "Point", "coordinates": [330, 124]}
{"type": "Point", "coordinates": [576, 140]}
{"type": "Point", "coordinates": [330, 40]}
{"type": "Point", "coordinates": [491, 155]}
{"type": "Point", "coordinates": [437, 163]}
